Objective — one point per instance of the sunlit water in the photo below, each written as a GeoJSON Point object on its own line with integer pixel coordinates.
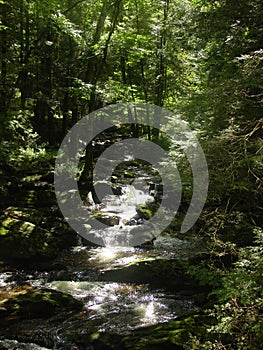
{"type": "Point", "coordinates": [124, 207]}
{"type": "Point", "coordinates": [122, 307]}
{"type": "Point", "coordinates": [111, 306]}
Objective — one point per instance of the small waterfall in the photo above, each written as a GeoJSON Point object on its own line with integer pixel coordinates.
{"type": "Point", "coordinates": [124, 207]}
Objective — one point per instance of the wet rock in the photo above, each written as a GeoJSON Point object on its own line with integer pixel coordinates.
{"type": "Point", "coordinates": [91, 238]}
{"type": "Point", "coordinates": [29, 303]}
{"type": "Point", "coordinates": [117, 190]}
{"type": "Point", "coordinates": [131, 222]}
{"type": "Point", "coordinates": [161, 273]}
{"type": "Point", "coordinates": [7, 344]}
{"type": "Point", "coordinates": [140, 221]}
{"type": "Point", "coordinates": [142, 234]}
{"type": "Point", "coordinates": [109, 220]}
{"type": "Point", "coordinates": [169, 336]}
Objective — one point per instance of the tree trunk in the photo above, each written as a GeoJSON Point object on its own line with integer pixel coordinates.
{"type": "Point", "coordinates": [46, 88]}
{"type": "Point", "coordinates": [160, 76]}
{"type": "Point", "coordinates": [4, 50]}
{"type": "Point", "coordinates": [144, 81]}
{"type": "Point", "coordinates": [91, 77]}
{"type": "Point", "coordinates": [23, 82]}
{"type": "Point", "coordinates": [65, 112]}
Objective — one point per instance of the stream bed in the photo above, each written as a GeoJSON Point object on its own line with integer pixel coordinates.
{"type": "Point", "coordinates": [120, 290]}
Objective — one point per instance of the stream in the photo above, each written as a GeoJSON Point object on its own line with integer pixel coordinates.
{"type": "Point", "coordinates": [123, 289]}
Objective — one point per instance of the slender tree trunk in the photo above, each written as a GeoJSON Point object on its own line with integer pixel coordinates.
{"type": "Point", "coordinates": [44, 113]}
{"type": "Point", "coordinates": [123, 67]}
{"type": "Point", "coordinates": [24, 54]}
{"type": "Point", "coordinates": [4, 50]}
{"type": "Point", "coordinates": [65, 112]}
{"type": "Point", "coordinates": [91, 77]}
{"type": "Point", "coordinates": [92, 66]}
{"type": "Point", "coordinates": [144, 81]}
{"type": "Point", "coordinates": [160, 76]}
{"type": "Point", "coordinates": [47, 87]}
{"type": "Point", "coordinates": [69, 102]}
{"type": "Point", "coordinates": [114, 21]}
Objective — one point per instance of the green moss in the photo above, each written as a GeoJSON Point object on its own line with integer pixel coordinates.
{"type": "Point", "coordinates": [145, 212]}
{"type": "Point", "coordinates": [28, 302]}
{"type": "Point", "coordinates": [106, 219]}
{"type": "Point", "coordinates": [3, 231]}
{"type": "Point", "coordinates": [94, 336]}
{"type": "Point", "coordinates": [129, 174]}
{"type": "Point", "coordinates": [23, 240]}
{"type": "Point", "coordinates": [171, 335]}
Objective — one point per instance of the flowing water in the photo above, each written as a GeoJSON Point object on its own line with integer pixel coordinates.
{"type": "Point", "coordinates": [109, 306]}
{"type": "Point", "coordinates": [119, 295]}
{"type": "Point", "coordinates": [122, 207]}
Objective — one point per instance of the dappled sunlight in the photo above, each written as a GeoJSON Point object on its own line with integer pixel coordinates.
{"type": "Point", "coordinates": [105, 254]}
{"type": "Point", "coordinates": [77, 289]}
{"type": "Point", "coordinates": [110, 256]}
{"type": "Point", "coordinates": [124, 306]}
{"type": "Point", "coordinates": [150, 312]}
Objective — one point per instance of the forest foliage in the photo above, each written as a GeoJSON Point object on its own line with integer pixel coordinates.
{"type": "Point", "coordinates": [202, 59]}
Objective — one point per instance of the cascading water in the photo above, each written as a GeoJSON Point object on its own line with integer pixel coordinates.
{"type": "Point", "coordinates": [124, 208]}
{"type": "Point", "coordinates": [116, 283]}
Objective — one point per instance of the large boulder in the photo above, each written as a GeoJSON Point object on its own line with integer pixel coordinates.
{"type": "Point", "coordinates": [23, 240]}
{"type": "Point", "coordinates": [158, 273]}
{"type": "Point", "coordinates": [26, 302]}
{"type": "Point", "coordinates": [25, 234]}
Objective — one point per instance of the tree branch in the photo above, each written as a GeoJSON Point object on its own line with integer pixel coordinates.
{"type": "Point", "coordinates": [72, 7]}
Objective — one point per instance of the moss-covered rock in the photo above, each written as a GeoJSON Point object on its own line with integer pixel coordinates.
{"type": "Point", "coordinates": [7, 344]}
{"type": "Point", "coordinates": [26, 233]}
{"type": "Point", "coordinates": [27, 302]}
{"type": "Point", "coordinates": [109, 220]}
{"type": "Point", "coordinates": [158, 273]}
{"type": "Point", "coordinates": [21, 239]}
{"type": "Point", "coordinates": [129, 174]}
{"type": "Point", "coordinates": [172, 335]}
{"type": "Point", "coordinates": [146, 211]}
